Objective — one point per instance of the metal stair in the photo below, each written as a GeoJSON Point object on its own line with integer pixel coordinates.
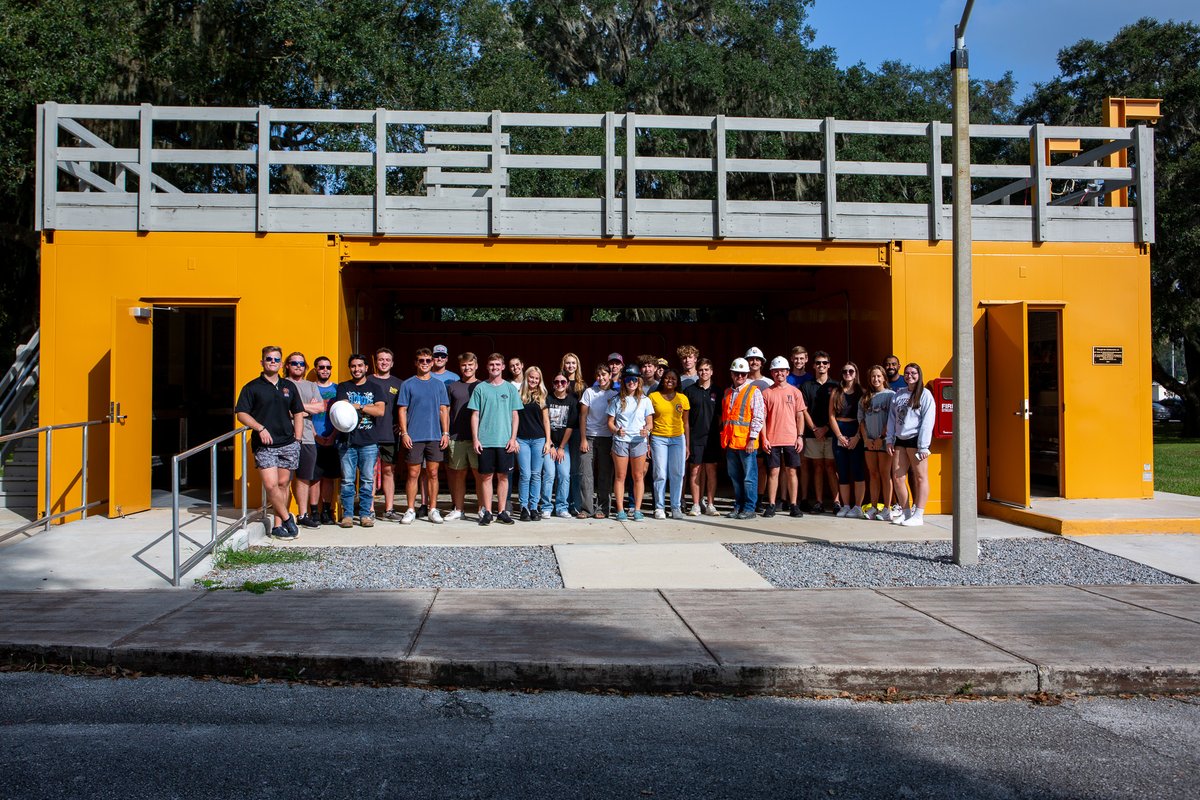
{"type": "Point", "coordinates": [18, 411]}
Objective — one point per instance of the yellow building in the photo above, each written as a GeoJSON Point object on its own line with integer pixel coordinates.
{"type": "Point", "coordinates": [156, 298]}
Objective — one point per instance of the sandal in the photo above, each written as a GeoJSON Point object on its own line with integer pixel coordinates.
{"type": "Point", "coordinates": [581, 515]}
{"type": "Point", "coordinates": [600, 515]}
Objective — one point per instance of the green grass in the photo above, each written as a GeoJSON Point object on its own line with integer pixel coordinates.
{"type": "Point", "coordinates": [254, 587]}
{"type": "Point", "coordinates": [255, 556]}
{"type": "Point", "coordinates": [1176, 465]}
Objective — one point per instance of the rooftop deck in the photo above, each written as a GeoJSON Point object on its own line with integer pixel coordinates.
{"type": "Point", "coordinates": [468, 174]}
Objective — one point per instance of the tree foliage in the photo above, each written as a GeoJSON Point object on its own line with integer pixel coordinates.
{"type": "Point", "coordinates": [1160, 60]}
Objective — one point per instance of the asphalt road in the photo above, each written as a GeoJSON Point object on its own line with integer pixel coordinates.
{"type": "Point", "coordinates": [182, 738]}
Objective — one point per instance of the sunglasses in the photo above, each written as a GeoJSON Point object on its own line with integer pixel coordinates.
{"type": "Point", "coordinates": [272, 359]}
{"type": "Point", "coordinates": [560, 383]}
{"type": "Point", "coordinates": [439, 355]}
{"type": "Point", "coordinates": [324, 366]}
{"type": "Point", "coordinates": [821, 363]}
{"type": "Point", "coordinates": [848, 371]}
{"type": "Point", "coordinates": [297, 364]}
{"type": "Point", "coordinates": [632, 380]}
{"type": "Point", "coordinates": [424, 360]}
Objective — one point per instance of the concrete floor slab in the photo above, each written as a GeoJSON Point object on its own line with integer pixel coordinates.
{"type": "Point", "coordinates": [654, 566]}
{"type": "Point", "coordinates": [1178, 601]}
{"type": "Point", "coordinates": [1164, 513]}
{"type": "Point", "coordinates": [1067, 631]}
{"type": "Point", "coordinates": [557, 627]}
{"type": "Point", "coordinates": [353, 624]}
{"type": "Point", "coordinates": [82, 618]}
{"type": "Point", "coordinates": [1173, 553]}
{"type": "Point", "coordinates": [846, 639]}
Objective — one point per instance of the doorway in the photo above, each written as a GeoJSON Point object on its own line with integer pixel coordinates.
{"type": "Point", "coordinates": [193, 392]}
{"type": "Point", "coordinates": [1045, 402]}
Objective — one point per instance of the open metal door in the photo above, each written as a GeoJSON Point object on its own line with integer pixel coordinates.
{"type": "Point", "coordinates": [1008, 403]}
{"type": "Point", "coordinates": [130, 407]}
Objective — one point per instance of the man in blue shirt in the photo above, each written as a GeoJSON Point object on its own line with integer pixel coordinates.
{"type": "Point", "coordinates": [424, 433]}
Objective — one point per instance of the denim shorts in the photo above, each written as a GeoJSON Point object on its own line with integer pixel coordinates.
{"type": "Point", "coordinates": [634, 449]}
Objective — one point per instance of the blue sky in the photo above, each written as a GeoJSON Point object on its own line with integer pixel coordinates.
{"type": "Point", "coordinates": [1019, 35]}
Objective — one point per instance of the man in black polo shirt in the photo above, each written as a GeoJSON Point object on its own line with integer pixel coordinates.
{"type": "Point", "coordinates": [271, 407]}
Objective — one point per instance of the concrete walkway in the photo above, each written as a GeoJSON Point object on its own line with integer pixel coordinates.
{"type": "Point", "coordinates": [942, 641]}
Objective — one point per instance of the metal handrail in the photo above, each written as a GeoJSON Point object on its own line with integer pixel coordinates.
{"type": "Point", "coordinates": [47, 517]}
{"type": "Point", "coordinates": [178, 570]}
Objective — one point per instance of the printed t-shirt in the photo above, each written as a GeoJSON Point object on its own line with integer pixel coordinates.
{"type": "Point", "coordinates": [423, 400]}
{"type": "Point", "coordinates": [364, 394]}
{"type": "Point", "coordinates": [631, 416]}
{"type": "Point", "coordinates": [385, 426]}
{"type": "Point", "coordinates": [782, 404]}
{"type": "Point", "coordinates": [460, 416]}
{"type": "Point", "coordinates": [495, 405]}
{"type": "Point", "coordinates": [564, 414]}
{"type": "Point", "coordinates": [668, 414]}
{"type": "Point", "coordinates": [597, 400]}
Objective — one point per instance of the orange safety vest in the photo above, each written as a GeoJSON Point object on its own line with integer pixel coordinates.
{"type": "Point", "coordinates": [735, 430]}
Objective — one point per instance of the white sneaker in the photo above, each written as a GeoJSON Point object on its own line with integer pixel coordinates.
{"type": "Point", "coordinates": [844, 511]}
{"type": "Point", "coordinates": [453, 515]}
{"type": "Point", "coordinates": [435, 516]}
{"type": "Point", "coordinates": [695, 511]}
{"type": "Point", "coordinates": [896, 515]}
{"type": "Point", "coordinates": [711, 511]}
{"type": "Point", "coordinates": [660, 514]}
{"type": "Point", "coordinates": [869, 513]}
{"type": "Point", "coordinates": [917, 519]}
{"type": "Point", "coordinates": [855, 513]}
{"type": "Point", "coordinates": [564, 515]}
{"type": "Point", "coordinates": [408, 517]}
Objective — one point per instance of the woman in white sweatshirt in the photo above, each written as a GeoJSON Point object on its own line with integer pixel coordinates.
{"type": "Point", "coordinates": [909, 433]}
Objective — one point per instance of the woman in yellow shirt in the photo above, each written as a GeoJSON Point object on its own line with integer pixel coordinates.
{"type": "Point", "coordinates": [669, 444]}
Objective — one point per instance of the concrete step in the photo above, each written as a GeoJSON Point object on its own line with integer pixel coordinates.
{"type": "Point", "coordinates": [20, 470]}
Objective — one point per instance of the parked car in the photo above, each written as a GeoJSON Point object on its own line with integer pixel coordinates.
{"type": "Point", "coordinates": [1174, 406]}
{"type": "Point", "coordinates": [1161, 414]}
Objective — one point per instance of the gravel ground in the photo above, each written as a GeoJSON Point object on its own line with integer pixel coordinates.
{"type": "Point", "coordinates": [1003, 562]}
{"type": "Point", "coordinates": [410, 568]}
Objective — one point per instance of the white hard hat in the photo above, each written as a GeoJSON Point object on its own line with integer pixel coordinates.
{"type": "Point", "coordinates": [779, 362]}
{"type": "Point", "coordinates": [344, 416]}
{"type": "Point", "coordinates": [754, 352]}
{"type": "Point", "coordinates": [739, 365]}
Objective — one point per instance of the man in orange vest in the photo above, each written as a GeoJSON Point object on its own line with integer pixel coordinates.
{"type": "Point", "coordinates": [743, 414]}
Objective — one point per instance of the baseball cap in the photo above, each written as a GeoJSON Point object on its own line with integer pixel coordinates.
{"type": "Point", "coordinates": [631, 372]}
{"type": "Point", "coordinates": [739, 365]}
{"type": "Point", "coordinates": [779, 362]}
{"type": "Point", "coordinates": [662, 362]}
{"type": "Point", "coordinates": [615, 357]}
{"type": "Point", "coordinates": [440, 350]}
{"type": "Point", "coordinates": [754, 352]}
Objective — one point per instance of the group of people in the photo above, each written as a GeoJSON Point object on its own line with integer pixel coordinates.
{"type": "Point", "coordinates": [792, 440]}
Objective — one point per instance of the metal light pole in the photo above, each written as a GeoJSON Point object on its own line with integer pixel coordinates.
{"type": "Point", "coordinates": [965, 490]}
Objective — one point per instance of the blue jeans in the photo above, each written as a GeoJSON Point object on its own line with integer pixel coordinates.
{"type": "Point", "coordinates": [575, 496]}
{"type": "Point", "coordinates": [743, 473]}
{"type": "Point", "coordinates": [556, 478]}
{"type": "Point", "coordinates": [667, 458]}
{"type": "Point", "coordinates": [529, 469]}
{"type": "Point", "coordinates": [361, 459]}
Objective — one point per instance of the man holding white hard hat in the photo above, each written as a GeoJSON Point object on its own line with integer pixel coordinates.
{"type": "Point", "coordinates": [270, 406]}
{"type": "Point", "coordinates": [358, 447]}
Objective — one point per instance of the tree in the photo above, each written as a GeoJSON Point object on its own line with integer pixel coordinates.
{"type": "Point", "coordinates": [1150, 59]}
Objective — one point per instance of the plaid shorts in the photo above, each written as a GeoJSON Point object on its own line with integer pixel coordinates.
{"type": "Point", "coordinates": [285, 457]}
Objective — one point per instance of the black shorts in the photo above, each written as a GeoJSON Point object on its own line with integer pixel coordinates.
{"type": "Point", "coordinates": [317, 462]}
{"type": "Point", "coordinates": [707, 451]}
{"type": "Point", "coordinates": [782, 456]}
{"type": "Point", "coordinates": [910, 443]}
{"type": "Point", "coordinates": [387, 452]}
{"type": "Point", "coordinates": [495, 459]}
{"type": "Point", "coordinates": [424, 451]}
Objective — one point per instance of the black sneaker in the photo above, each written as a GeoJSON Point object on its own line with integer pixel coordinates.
{"type": "Point", "coordinates": [308, 522]}
{"type": "Point", "coordinates": [796, 512]}
{"type": "Point", "coordinates": [783, 506]}
{"type": "Point", "coordinates": [422, 512]}
{"type": "Point", "coordinates": [525, 517]}
{"type": "Point", "coordinates": [277, 533]}
{"type": "Point", "coordinates": [504, 518]}
{"type": "Point", "coordinates": [535, 515]}
{"type": "Point", "coordinates": [485, 517]}
{"type": "Point", "coordinates": [817, 508]}
{"type": "Point", "coordinates": [327, 516]}
{"type": "Point", "coordinates": [289, 524]}
{"type": "Point", "coordinates": [284, 532]}
{"type": "Point", "coordinates": [769, 511]}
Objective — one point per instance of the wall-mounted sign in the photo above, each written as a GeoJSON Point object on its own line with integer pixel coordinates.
{"type": "Point", "coordinates": [1108, 355]}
